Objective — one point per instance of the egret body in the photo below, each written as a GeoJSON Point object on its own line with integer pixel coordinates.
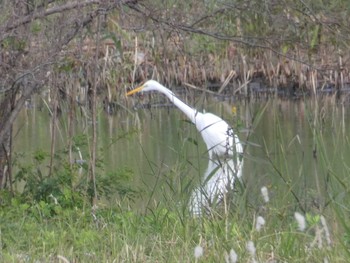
{"type": "Point", "coordinates": [224, 147]}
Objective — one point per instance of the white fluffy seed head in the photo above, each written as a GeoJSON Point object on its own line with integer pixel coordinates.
{"type": "Point", "coordinates": [198, 251]}
{"type": "Point", "coordinates": [233, 256]}
{"type": "Point", "coordinates": [300, 220]}
{"type": "Point", "coordinates": [251, 248]}
{"type": "Point", "coordinates": [265, 194]}
{"type": "Point", "coordinates": [260, 222]}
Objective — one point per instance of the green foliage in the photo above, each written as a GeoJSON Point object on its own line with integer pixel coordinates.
{"type": "Point", "coordinates": [38, 187]}
{"type": "Point", "coordinates": [68, 186]}
{"type": "Point", "coordinates": [36, 27]}
{"type": "Point", "coordinates": [118, 182]}
{"type": "Point", "coordinates": [13, 44]}
{"type": "Point", "coordinates": [67, 65]}
{"type": "Point", "coordinates": [312, 220]}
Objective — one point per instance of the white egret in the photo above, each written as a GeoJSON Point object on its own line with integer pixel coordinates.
{"type": "Point", "coordinates": [224, 148]}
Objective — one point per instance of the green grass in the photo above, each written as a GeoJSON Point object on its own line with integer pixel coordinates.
{"type": "Point", "coordinates": [29, 233]}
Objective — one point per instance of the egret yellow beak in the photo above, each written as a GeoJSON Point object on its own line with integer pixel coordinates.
{"type": "Point", "coordinates": [134, 91]}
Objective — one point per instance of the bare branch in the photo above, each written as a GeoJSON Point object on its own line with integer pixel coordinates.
{"type": "Point", "coordinates": [47, 12]}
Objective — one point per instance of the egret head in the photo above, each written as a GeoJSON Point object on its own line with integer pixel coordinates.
{"type": "Point", "coordinates": [147, 86]}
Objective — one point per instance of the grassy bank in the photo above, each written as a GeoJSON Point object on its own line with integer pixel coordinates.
{"type": "Point", "coordinates": [162, 235]}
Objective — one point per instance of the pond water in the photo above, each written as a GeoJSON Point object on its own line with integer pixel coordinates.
{"type": "Point", "coordinates": [294, 147]}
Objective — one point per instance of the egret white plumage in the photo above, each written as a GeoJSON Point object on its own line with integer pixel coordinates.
{"type": "Point", "coordinates": [224, 148]}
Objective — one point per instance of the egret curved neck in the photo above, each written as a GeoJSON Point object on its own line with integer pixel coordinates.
{"type": "Point", "coordinates": [189, 111]}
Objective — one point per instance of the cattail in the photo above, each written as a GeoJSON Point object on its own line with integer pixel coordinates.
{"type": "Point", "coordinates": [260, 222]}
{"type": "Point", "coordinates": [198, 252]}
{"type": "Point", "coordinates": [300, 220]}
{"type": "Point", "coordinates": [265, 194]}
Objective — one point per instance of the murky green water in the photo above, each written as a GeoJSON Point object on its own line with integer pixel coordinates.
{"type": "Point", "coordinates": [289, 145]}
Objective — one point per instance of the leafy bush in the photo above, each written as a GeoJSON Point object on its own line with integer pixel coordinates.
{"type": "Point", "coordinates": [69, 185]}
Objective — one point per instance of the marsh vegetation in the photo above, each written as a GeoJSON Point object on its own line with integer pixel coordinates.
{"type": "Point", "coordinates": [88, 175]}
